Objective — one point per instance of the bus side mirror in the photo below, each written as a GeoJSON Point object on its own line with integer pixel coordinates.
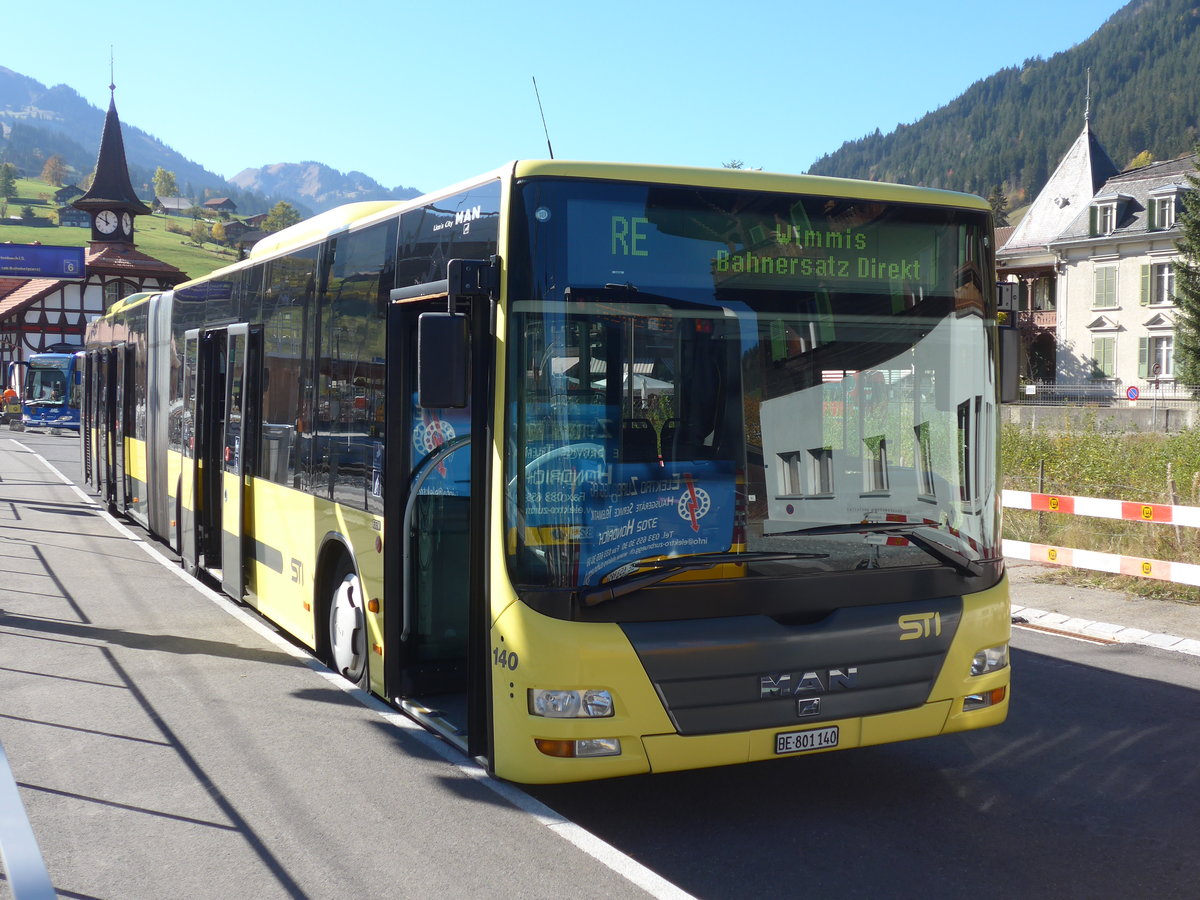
{"type": "Point", "coordinates": [443, 343]}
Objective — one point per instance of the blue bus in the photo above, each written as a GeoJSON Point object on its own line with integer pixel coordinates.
{"type": "Point", "coordinates": [51, 393]}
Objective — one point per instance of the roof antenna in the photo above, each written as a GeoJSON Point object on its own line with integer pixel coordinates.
{"type": "Point", "coordinates": [543, 114]}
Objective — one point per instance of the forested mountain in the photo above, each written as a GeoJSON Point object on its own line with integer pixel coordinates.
{"type": "Point", "coordinates": [1011, 129]}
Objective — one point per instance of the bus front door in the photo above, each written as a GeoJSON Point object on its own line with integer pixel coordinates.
{"type": "Point", "coordinates": [433, 674]}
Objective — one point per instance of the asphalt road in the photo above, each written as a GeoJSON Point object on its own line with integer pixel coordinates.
{"type": "Point", "coordinates": [285, 786]}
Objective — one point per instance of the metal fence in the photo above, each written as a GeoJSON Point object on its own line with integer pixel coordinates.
{"type": "Point", "coordinates": [1110, 392]}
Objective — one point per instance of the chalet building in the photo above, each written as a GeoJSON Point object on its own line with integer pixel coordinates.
{"type": "Point", "coordinates": [75, 218]}
{"type": "Point", "coordinates": [174, 206]}
{"type": "Point", "coordinates": [65, 195]}
{"type": "Point", "coordinates": [221, 204]}
{"type": "Point", "coordinates": [36, 313]}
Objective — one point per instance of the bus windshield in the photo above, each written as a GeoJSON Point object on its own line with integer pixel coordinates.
{"type": "Point", "coordinates": [745, 376]}
{"type": "Point", "coordinates": [46, 381]}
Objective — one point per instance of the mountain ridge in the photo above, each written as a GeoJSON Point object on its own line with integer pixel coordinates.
{"type": "Point", "coordinates": [37, 122]}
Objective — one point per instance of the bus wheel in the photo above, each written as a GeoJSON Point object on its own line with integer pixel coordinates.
{"type": "Point", "coordinates": [348, 625]}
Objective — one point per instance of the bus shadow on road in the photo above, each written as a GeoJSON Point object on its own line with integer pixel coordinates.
{"type": "Point", "coordinates": [1094, 769]}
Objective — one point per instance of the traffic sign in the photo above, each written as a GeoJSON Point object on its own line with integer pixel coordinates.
{"type": "Point", "coordinates": [1132, 393]}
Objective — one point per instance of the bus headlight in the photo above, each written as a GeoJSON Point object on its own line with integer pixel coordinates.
{"type": "Point", "coordinates": [589, 704]}
{"type": "Point", "coordinates": [990, 660]}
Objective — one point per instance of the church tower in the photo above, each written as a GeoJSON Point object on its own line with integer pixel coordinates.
{"type": "Point", "coordinates": [111, 201]}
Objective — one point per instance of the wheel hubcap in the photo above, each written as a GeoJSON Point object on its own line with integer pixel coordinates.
{"type": "Point", "coordinates": [346, 633]}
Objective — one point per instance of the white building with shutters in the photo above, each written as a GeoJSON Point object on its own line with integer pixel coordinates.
{"type": "Point", "coordinates": [1116, 280]}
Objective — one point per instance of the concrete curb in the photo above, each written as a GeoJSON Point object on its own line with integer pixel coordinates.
{"type": "Point", "coordinates": [1105, 632]}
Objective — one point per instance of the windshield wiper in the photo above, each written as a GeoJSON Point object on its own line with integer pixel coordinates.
{"type": "Point", "coordinates": [940, 552]}
{"type": "Point", "coordinates": [665, 568]}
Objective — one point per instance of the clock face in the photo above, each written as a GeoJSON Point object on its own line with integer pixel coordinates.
{"type": "Point", "coordinates": [106, 221]}
{"type": "Point", "coordinates": [127, 223]}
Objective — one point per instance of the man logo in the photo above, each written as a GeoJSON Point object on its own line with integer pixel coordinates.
{"type": "Point", "coordinates": [920, 625]}
{"type": "Point", "coordinates": [792, 684]}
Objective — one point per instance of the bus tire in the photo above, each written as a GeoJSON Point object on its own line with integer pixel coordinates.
{"type": "Point", "coordinates": [346, 623]}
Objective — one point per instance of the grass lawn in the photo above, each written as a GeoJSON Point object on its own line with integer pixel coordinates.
{"type": "Point", "coordinates": [150, 232]}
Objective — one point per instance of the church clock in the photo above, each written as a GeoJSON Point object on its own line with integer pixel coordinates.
{"type": "Point", "coordinates": [107, 221]}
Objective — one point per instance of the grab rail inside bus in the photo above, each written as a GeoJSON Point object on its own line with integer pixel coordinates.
{"type": "Point", "coordinates": [27, 875]}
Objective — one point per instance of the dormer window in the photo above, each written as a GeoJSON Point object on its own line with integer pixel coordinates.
{"type": "Point", "coordinates": [1106, 213]}
{"type": "Point", "coordinates": [1163, 206]}
{"type": "Point", "coordinates": [1162, 213]}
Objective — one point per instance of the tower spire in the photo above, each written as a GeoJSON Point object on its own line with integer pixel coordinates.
{"type": "Point", "coordinates": [1087, 103]}
{"type": "Point", "coordinates": [111, 200]}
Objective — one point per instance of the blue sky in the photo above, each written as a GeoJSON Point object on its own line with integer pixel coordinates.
{"type": "Point", "coordinates": [426, 94]}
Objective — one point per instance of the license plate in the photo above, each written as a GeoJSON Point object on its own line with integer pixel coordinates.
{"type": "Point", "coordinates": [813, 739]}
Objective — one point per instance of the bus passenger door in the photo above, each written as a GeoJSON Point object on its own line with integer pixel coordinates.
{"type": "Point", "coordinates": [209, 423]}
{"type": "Point", "coordinates": [188, 495]}
{"type": "Point", "coordinates": [120, 361]}
{"type": "Point", "coordinates": [432, 515]}
{"type": "Point", "coordinates": [88, 420]}
{"type": "Point", "coordinates": [238, 441]}
{"type": "Point", "coordinates": [107, 420]}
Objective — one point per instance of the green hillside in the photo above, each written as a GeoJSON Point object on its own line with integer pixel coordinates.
{"type": "Point", "coordinates": [151, 234]}
{"type": "Point", "coordinates": [1012, 128]}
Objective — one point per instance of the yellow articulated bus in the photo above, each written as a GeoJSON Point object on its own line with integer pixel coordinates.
{"type": "Point", "coordinates": [595, 469]}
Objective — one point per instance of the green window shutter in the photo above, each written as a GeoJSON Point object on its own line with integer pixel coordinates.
{"type": "Point", "coordinates": [1151, 208]}
{"type": "Point", "coordinates": [1092, 221]}
{"type": "Point", "coordinates": [1144, 357]}
{"type": "Point", "coordinates": [1146, 285]}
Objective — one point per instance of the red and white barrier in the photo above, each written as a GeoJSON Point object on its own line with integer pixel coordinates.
{"type": "Point", "coordinates": [1160, 570]}
{"type": "Point", "coordinates": [1103, 509]}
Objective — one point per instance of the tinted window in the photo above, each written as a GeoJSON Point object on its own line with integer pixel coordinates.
{"type": "Point", "coordinates": [462, 226]}
{"type": "Point", "coordinates": [351, 365]}
{"type": "Point", "coordinates": [286, 384]}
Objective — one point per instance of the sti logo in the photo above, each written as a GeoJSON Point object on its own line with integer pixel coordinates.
{"type": "Point", "coordinates": [920, 625]}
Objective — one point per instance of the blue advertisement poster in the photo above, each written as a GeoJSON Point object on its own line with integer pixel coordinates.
{"type": "Point", "coordinates": [647, 510]}
{"type": "Point", "coordinates": [431, 429]}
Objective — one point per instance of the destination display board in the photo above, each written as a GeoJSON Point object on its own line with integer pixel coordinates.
{"type": "Point", "coordinates": [41, 261]}
{"type": "Point", "coordinates": [614, 241]}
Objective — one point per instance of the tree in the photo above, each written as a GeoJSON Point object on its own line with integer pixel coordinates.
{"type": "Point", "coordinates": [218, 233]}
{"type": "Point", "coordinates": [8, 181]}
{"type": "Point", "coordinates": [1187, 283]}
{"type": "Point", "coordinates": [282, 215]}
{"type": "Point", "coordinates": [999, 205]}
{"type": "Point", "coordinates": [164, 183]}
{"type": "Point", "coordinates": [200, 232]}
{"type": "Point", "coordinates": [55, 171]}
{"type": "Point", "coordinates": [1142, 159]}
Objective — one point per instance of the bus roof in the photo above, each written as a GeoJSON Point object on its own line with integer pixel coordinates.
{"type": "Point", "coordinates": [129, 302]}
{"type": "Point", "coordinates": [749, 179]}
